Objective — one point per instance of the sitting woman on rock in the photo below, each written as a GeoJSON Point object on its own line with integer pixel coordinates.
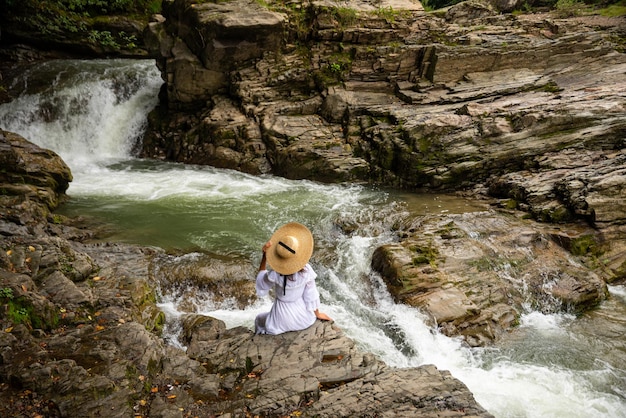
{"type": "Point", "coordinates": [296, 300]}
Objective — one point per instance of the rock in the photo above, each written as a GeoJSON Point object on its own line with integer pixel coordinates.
{"type": "Point", "coordinates": [526, 109]}
{"type": "Point", "coordinates": [228, 281]}
{"type": "Point", "coordinates": [405, 392]}
{"type": "Point", "coordinates": [475, 273]}
{"type": "Point", "coordinates": [466, 12]}
{"type": "Point", "coordinates": [81, 334]}
{"type": "Point", "coordinates": [31, 173]}
{"type": "Point", "coordinates": [321, 366]}
{"type": "Point", "coordinates": [62, 291]}
{"type": "Point", "coordinates": [402, 99]}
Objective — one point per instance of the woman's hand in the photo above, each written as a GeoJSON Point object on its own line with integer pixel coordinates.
{"type": "Point", "coordinates": [322, 316]}
{"type": "Point", "coordinates": [263, 266]}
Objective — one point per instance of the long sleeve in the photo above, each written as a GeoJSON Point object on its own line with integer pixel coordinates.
{"type": "Point", "coordinates": [263, 283]}
{"type": "Point", "coordinates": [311, 295]}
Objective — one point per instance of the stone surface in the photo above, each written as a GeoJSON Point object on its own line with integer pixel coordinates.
{"type": "Point", "coordinates": [30, 173]}
{"type": "Point", "coordinates": [474, 274]}
{"type": "Point", "coordinates": [466, 98]}
{"type": "Point", "coordinates": [80, 336]}
{"type": "Point", "coordinates": [526, 109]}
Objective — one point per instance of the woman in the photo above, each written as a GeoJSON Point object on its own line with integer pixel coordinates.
{"type": "Point", "coordinates": [296, 299]}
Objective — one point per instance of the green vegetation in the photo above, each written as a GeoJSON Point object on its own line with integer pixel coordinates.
{"type": "Point", "coordinates": [614, 10]}
{"type": "Point", "coordinates": [424, 255]}
{"type": "Point", "coordinates": [20, 311]}
{"type": "Point", "coordinates": [390, 14]}
{"type": "Point", "coordinates": [430, 5]}
{"type": "Point", "coordinates": [76, 19]}
{"type": "Point", "coordinates": [345, 16]}
{"type": "Point", "coordinates": [585, 244]}
{"type": "Point", "coordinates": [569, 8]}
{"type": "Point", "coordinates": [565, 8]}
{"type": "Point", "coordinates": [495, 263]}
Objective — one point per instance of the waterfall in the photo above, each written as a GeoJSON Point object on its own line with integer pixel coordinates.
{"type": "Point", "coordinates": [90, 112]}
{"type": "Point", "coordinates": [93, 112]}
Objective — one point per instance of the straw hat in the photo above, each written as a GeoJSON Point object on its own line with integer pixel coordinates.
{"type": "Point", "coordinates": [292, 247]}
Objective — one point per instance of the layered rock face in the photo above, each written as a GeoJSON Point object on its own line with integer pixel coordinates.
{"type": "Point", "coordinates": [33, 180]}
{"type": "Point", "coordinates": [527, 110]}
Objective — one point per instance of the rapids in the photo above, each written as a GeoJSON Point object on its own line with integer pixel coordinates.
{"type": "Point", "coordinates": [92, 113]}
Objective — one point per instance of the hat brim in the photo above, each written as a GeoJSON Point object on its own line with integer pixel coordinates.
{"type": "Point", "coordinates": [296, 262]}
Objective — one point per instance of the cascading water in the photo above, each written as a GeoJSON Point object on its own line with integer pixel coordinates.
{"type": "Point", "coordinates": [92, 112]}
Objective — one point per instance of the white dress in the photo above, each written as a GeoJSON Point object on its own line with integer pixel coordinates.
{"type": "Point", "coordinates": [294, 307]}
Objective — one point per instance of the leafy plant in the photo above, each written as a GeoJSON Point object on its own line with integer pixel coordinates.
{"type": "Point", "coordinates": [344, 15]}
{"type": "Point", "coordinates": [6, 293]}
{"type": "Point", "coordinates": [569, 8]}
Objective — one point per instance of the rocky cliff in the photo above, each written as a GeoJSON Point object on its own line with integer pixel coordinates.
{"type": "Point", "coordinates": [526, 110]}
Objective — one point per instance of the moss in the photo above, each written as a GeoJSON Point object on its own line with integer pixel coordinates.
{"type": "Point", "coordinates": [510, 204]}
{"type": "Point", "coordinates": [551, 87]}
{"type": "Point", "coordinates": [494, 263]}
{"type": "Point", "coordinates": [451, 231]}
{"type": "Point", "coordinates": [424, 255]}
{"type": "Point", "coordinates": [21, 311]}
{"type": "Point", "coordinates": [159, 323]}
{"type": "Point", "coordinates": [614, 10]}
{"type": "Point", "coordinates": [585, 244]}
{"type": "Point", "coordinates": [562, 215]}
{"type": "Point", "coordinates": [345, 16]}
{"type": "Point", "coordinates": [154, 366]}
{"type": "Point", "coordinates": [390, 15]}
{"type": "Point", "coordinates": [65, 265]}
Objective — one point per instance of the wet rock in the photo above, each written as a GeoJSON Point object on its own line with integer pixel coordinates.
{"type": "Point", "coordinates": [33, 181]}
{"type": "Point", "coordinates": [399, 393]}
{"type": "Point", "coordinates": [410, 100]}
{"type": "Point", "coordinates": [80, 329]}
{"type": "Point", "coordinates": [476, 273]}
{"type": "Point", "coordinates": [227, 280]}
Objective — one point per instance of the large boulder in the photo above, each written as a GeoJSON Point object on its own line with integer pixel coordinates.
{"type": "Point", "coordinates": [33, 180]}
{"type": "Point", "coordinates": [317, 372]}
{"type": "Point", "coordinates": [475, 274]}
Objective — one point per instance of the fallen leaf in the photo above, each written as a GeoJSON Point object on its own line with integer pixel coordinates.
{"type": "Point", "coordinates": [143, 402]}
{"type": "Point", "coordinates": [9, 252]}
{"type": "Point", "coordinates": [28, 260]}
{"type": "Point", "coordinates": [8, 329]}
{"type": "Point", "coordinates": [99, 327]}
{"type": "Point", "coordinates": [31, 248]}
{"type": "Point", "coordinates": [97, 278]}
{"type": "Point", "coordinates": [24, 288]}
{"type": "Point", "coordinates": [154, 389]}
{"type": "Point", "coordinates": [171, 397]}
{"type": "Point", "coordinates": [142, 377]}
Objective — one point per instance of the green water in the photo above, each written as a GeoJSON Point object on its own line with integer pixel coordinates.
{"type": "Point", "coordinates": [201, 208]}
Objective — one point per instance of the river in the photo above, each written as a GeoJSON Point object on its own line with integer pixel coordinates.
{"type": "Point", "coordinates": [93, 112]}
